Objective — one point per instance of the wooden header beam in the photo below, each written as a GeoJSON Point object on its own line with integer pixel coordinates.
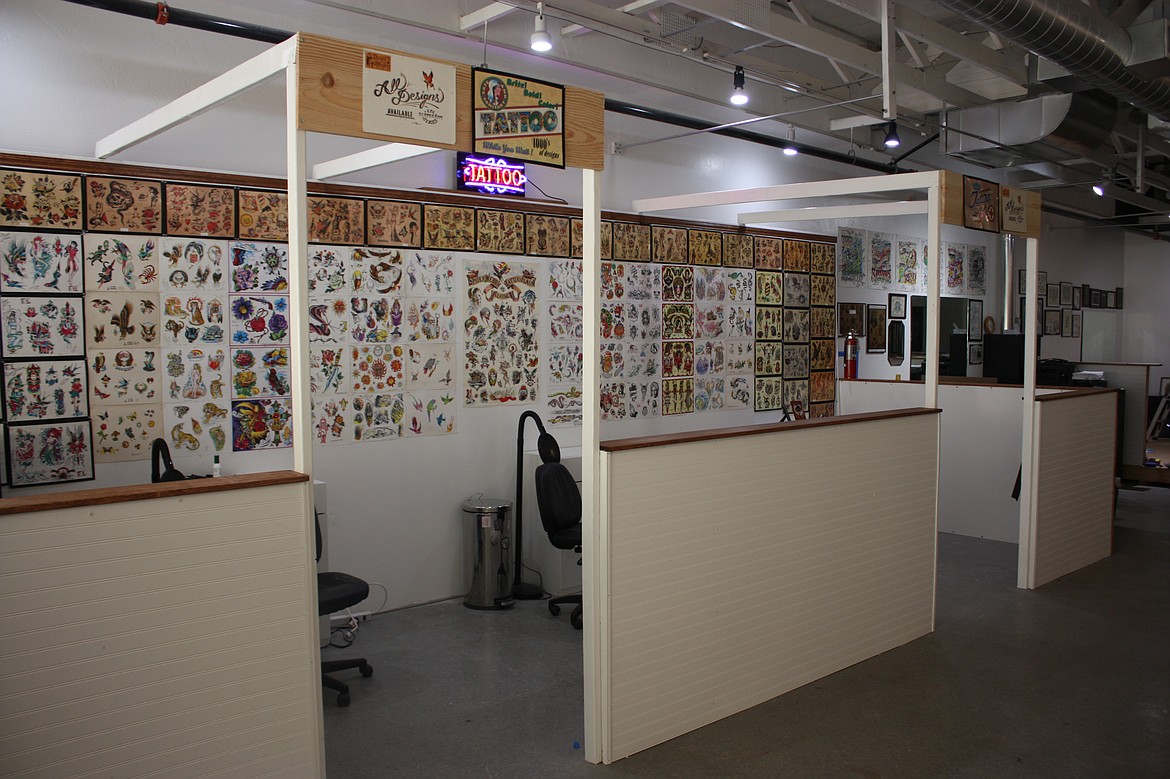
{"type": "Point", "coordinates": [330, 81]}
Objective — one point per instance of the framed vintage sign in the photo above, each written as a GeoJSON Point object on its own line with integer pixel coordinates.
{"type": "Point", "coordinates": [408, 97]}
{"type": "Point", "coordinates": [1013, 209]}
{"type": "Point", "coordinates": [980, 204]}
{"type": "Point", "coordinates": [518, 117]}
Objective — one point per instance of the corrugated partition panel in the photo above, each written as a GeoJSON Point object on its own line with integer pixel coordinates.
{"type": "Point", "coordinates": [1074, 487]}
{"type": "Point", "coordinates": [743, 568]}
{"type": "Point", "coordinates": [163, 637]}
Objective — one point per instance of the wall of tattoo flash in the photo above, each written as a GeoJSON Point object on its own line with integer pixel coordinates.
{"type": "Point", "coordinates": [134, 308]}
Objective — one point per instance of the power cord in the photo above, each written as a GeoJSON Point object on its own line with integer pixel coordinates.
{"type": "Point", "coordinates": [545, 594]}
{"type": "Point", "coordinates": [348, 635]}
{"type": "Point", "coordinates": [547, 195]}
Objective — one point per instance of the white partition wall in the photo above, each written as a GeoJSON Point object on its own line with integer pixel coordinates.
{"type": "Point", "coordinates": [175, 636]}
{"type": "Point", "coordinates": [1073, 504]}
{"type": "Point", "coordinates": [980, 455]}
{"type": "Point", "coordinates": [742, 568]}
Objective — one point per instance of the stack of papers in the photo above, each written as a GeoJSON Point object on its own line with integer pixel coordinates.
{"type": "Point", "coordinates": [1089, 376]}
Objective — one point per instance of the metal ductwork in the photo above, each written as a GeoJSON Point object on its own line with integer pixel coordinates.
{"type": "Point", "coordinates": [1053, 128]}
{"type": "Point", "coordinates": [1078, 38]}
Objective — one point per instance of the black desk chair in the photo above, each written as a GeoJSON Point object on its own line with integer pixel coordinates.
{"type": "Point", "coordinates": [337, 591]}
{"type": "Point", "coordinates": [559, 501]}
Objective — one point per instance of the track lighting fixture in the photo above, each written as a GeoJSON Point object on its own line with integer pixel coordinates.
{"type": "Point", "coordinates": [892, 140]}
{"type": "Point", "coordinates": [540, 40]}
{"type": "Point", "coordinates": [738, 95]}
{"type": "Point", "coordinates": [790, 148]}
{"type": "Point", "coordinates": [1099, 190]}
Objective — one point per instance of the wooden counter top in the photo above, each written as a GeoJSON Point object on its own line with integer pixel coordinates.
{"type": "Point", "coordinates": [170, 489]}
{"type": "Point", "coordinates": [626, 444]}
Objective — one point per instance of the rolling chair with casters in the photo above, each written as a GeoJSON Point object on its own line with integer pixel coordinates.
{"type": "Point", "coordinates": [559, 501]}
{"type": "Point", "coordinates": [337, 591]}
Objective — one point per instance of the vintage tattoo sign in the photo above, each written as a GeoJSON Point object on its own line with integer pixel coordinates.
{"type": "Point", "coordinates": [408, 97]}
{"type": "Point", "coordinates": [518, 117]}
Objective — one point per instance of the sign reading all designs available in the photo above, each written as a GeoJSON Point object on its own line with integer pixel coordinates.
{"type": "Point", "coordinates": [519, 118]}
{"type": "Point", "coordinates": [407, 97]}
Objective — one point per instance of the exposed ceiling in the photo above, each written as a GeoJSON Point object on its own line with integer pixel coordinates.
{"type": "Point", "coordinates": [836, 70]}
{"type": "Point", "coordinates": [1057, 95]}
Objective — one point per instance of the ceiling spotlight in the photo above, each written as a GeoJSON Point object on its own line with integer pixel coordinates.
{"type": "Point", "coordinates": [892, 140]}
{"type": "Point", "coordinates": [738, 95]}
{"type": "Point", "coordinates": [540, 40]}
{"type": "Point", "coordinates": [790, 148]}
{"type": "Point", "coordinates": [1099, 190]}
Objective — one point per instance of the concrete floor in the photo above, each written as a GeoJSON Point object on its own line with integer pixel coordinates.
{"type": "Point", "coordinates": [1072, 680]}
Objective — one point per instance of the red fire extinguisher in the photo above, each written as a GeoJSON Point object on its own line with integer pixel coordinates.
{"type": "Point", "coordinates": [852, 347]}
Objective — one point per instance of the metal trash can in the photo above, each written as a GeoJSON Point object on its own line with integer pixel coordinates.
{"type": "Point", "coordinates": [491, 586]}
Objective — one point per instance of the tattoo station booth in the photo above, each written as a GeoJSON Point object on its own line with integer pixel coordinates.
{"type": "Point", "coordinates": [824, 536]}
{"type": "Point", "coordinates": [720, 568]}
{"type": "Point", "coordinates": [1063, 517]}
{"type": "Point", "coordinates": [182, 617]}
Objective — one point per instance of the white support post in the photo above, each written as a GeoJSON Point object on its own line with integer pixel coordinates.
{"type": "Point", "coordinates": [594, 547]}
{"type": "Point", "coordinates": [480, 17]}
{"type": "Point", "coordinates": [889, 64]}
{"type": "Point", "coordinates": [298, 283]}
{"type": "Point", "coordinates": [370, 158]}
{"type": "Point", "coordinates": [220, 89]}
{"type": "Point", "coordinates": [1030, 329]}
{"type": "Point", "coordinates": [900, 208]}
{"type": "Point", "coordinates": [298, 312]}
{"type": "Point", "coordinates": [933, 275]}
{"type": "Point", "coordinates": [810, 189]}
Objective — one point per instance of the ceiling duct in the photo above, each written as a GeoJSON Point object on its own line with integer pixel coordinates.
{"type": "Point", "coordinates": [1075, 36]}
{"type": "Point", "coordinates": [1054, 128]}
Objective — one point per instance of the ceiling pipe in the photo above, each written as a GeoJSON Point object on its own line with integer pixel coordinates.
{"type": "Point", "coordinates": [162, 13]}
{"type": "Point", "coordinates": [1075, 36]}
{"type": "Point", "coordinates": [665, 117]}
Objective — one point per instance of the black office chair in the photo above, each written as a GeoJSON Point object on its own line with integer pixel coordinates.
{"type": "Point", "coordinates": [559, 501]}
{"type": "Point", "coordinates": [337, 591]}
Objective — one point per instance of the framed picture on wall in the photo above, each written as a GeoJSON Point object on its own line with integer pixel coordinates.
{"type": "Point", "coordinates": [1022, 283]}
{"type": "Point", "coordinates": [875, 341]}
{"type": "Point", "coordinates": [1110, 299]}
{"type": "Point", "coordinates": [1076, 304]}
{"type": "Point", "coordinates": [1052, 321]}
{"type": "Point", "coordinates": [1094, 298]}
{"type": "Point", "coordinates": [1066, 320]}
{"type": "Point", "coordinates": [974, 354]}
{"type": "Point", "coordinates": [897, 306]}
{"type": "Point", "coordinates": [980, 204]}
{"type": "Point", "coordinates": [1041, 280]}
{"type": "Point", "coordinates": [1076, 324]}
{"type": "Point", "coordinates": [850, 316]}
{"type": "Point", "coordinates": [1066, 293]}
{"type": "Point", "coordinates": [1053, 294]}
{"type": "Point", "coordinates": [975, 320]}
{"type": "Point", "coordinates": [1119, 293]}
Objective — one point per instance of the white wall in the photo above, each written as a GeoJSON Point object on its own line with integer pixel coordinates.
{"type": "Point", "coordinates": [1072, 252]}
{"type": "Point", "coordinates": [980, 454]}
{"type": "Point", "coordinates": [1145, 320]}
